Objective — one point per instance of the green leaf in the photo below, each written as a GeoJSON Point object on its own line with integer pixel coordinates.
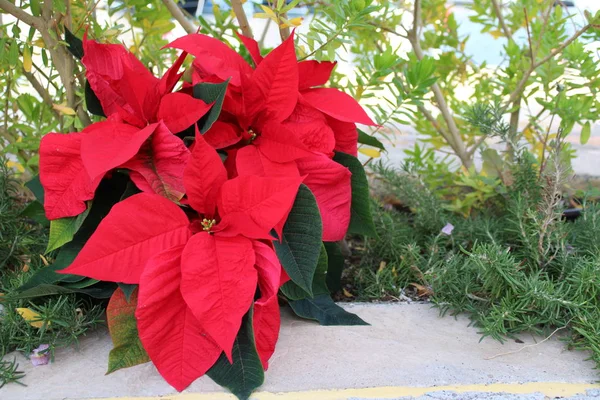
{"type": "Point", "coordinates": [361, 222]}
{"type": "Point", "coordinates": [369, 140]}
{"type": "Point", "coordinates": [294, 292]}
{"type": "Point", "coordinates": [335, 266]}
{"type": "Point", "coordinates": [84, 283]}
{"type": "Point", "coordinates": [36, 10]}
{"type": "Point", "coordinates": [101, 290]}
{"type": "Point", "coordinates": [210, 93]}
{"type": "Point", "coordinates": [127, 348]}
{"type": "Point", "coordinates": [127, 289]}
{"type": "Point", "coordinates": [586, 132]}
{"type": "Point", "coordinates": [246, 373]}
{"type": "Point", "coordinates": [75, 45]}
{"type": "Point", "coordinates": [92, 102]}
{"type": "Point", "coordinates": [300, 245]}
{"type": "Point", "coordinates": [323, 309]}
{"type": "Point", "coordinates": [36, 188]}
{"type": "Point", "coordinates": [62, 230]}
{"type": "Point", "coordinates": [35, 211]}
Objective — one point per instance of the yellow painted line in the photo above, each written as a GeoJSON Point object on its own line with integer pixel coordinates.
{"type": "Point", "coordinates": [550, 389]}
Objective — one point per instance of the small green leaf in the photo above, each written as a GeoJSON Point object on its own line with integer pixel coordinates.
{"type": "Point", "coordinates": [75, 45]}
{"type": "Point", "coordinates": [13, 54]}
{"type": "Point", "coordinates": [323, 309]}
{"type": "Point", "coordinates": [35, 211]}
{"type": "Point", "coordinates": [36, 10]}
{"type": "Point", "coordinates": [586, 132]}
{"type": "Point", "coordinates": [36, 188]}
{"type": "Point", "coordinates": [246, 373]}
{"type": "Point", "coordinates": [300, 245]}
{"type": "Point", "coordinates": [62, 230]}
{"type": "Point", "coordinates": [361, 222]}
{"type": "Point", "coordinates": [101, 290]}
{"type": "Point", "coordinates": [369, 140]}
{"type": "Point", "coordinates": [319, 286]}
{"type": "Point", "coordinates": [127, 348]}
{"type": "Point", "coordinates": [127, 289]}
{"type": "Point", "coordinates": [210, 93]}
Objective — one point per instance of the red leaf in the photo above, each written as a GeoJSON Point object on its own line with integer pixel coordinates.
{"type": "Point", "coordinates": [218, 284]}
{"type": "Point", "coordinates": [180, 111]}
{"type": "Point", "coordinates": [108, 144]}
{"type": "Point", "coordinates": [67, 185]}
{"type": "Point", "coordinates": [310, 126]}
{"type": "Point", "coordinates": [176, 342]}
{"type": "Point", "coordinates": [251, 205]}
{"type": "Point", "coordinates": [330, 183]}
{"type": "Point", "coordinates": [279, 144]}
{"type": "Point", "coordinates": [104, 67]}
{"type": "Point", "coordinates": [222, 134]}
{"type": "Point", "coordinates": [346, 136]}
{"type": "Point", "coordinates": [251, 161]}
{"type": "Point", "coordinates": [159, 166]}
{"type": "Point", "coordinates": [274, 85]}
{"type": "Point", "coordinates": [266, 323]}
{"type": "Point", "coordinates": [214, 57]}
{"type": "Point", "coordinates": [337, 104]}
{"type": "Point", "coordinates": [134, 230]}
{"type": "Point", "coordinates": [269, 270]}
{"type": "Point", "coordinates": [203, 177]}
{"type": "Point", "coordinates": [313, 73]}
{"type": "Point", "coordinates": [252, 47]}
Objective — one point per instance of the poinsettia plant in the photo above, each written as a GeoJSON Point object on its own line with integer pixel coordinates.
{"type": "Point", "coordinates": [205, 206]}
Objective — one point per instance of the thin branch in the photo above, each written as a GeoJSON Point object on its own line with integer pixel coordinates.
{"type": "Point", "coordinates": [503, 25]}
{"type": "Point", "coordinates": [240, 14]}
{"type": "Point", "coordinates": [527, 346]}
{"type": "Point", "coordinates": [41, 90]}
{"type": "Point", "coordinates": [179, 16]}
{"type": "Point", "coordinates": [20, 14]}
{"type": "Point", "coordinates": [284, 32]}
{"type": "Point", "coordinates": [263, 36]}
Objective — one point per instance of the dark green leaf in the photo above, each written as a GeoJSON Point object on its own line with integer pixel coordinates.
{"type": "Point", "coordinates": [36, 188]}
{"type": "Point", "coordinates": [35, 211]}
{"type": "Point", "coordinates": [127, 289]}
{"type": "Point", "coordinates": [75, 45]}
{"type": "Point", "coordinates": [324, 310]}
{"type": "Point", "coordinates": [92, 102]}
{"type": "Point", "coordinates": [295, 292]}
{"type": "Point", "coordinates": [36, 10]}
{"type": "Point", "coordinates": [246, 373]}
{"type": "Point", "coordinates": [63, 230]}
{"type": "Point", "coordinates": [361, 222]}
{"type": "Point", "coordinates": [300, 246]}
{"type": "Point", "coordinates": [102, 290]}
{"type": "Point", "coordinates": [369, 140]}
{"type": "Point", "coordinates": [335, 266]}
{"type": "Point", "coordinates": [210, 93]}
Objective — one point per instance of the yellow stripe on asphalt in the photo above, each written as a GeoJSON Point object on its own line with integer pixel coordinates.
{"type": "Point", "coordinates": [550, 389]}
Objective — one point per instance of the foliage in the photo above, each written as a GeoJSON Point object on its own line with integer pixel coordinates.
{"type": "Point", "coordinates": [58, 320]}
{"type": "Point", "coordinates": [515, 266]}
{"type": "Point", "coordinates": [201, 203]}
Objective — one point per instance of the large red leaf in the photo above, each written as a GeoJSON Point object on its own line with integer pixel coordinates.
{"type": "Point", "coordinates": [252, 205]}
{"type": "Point", "coordinates": [251, 161]}
{"type": "Point", "coordinates": [106, 145]}
{"type": "Point", "coordinates": [330, 183]}
{"type": "Point", "coordinates": [214, 57]}
{"type": "Point", "coordinates": [159, 166]}
{"type": "Point", "coordinates": [203, 177]}
{"type": "Point", "coordinates": [179, 111]}
{"type": "Point", "coordinates": [134, 230]}
{"type": "Point", "coordinates": [337, 104]}
{"type": "Point", "coordinates": [218, 284]}
{"type": "Point", "coordinates": [266, 323]}
{"type": "Point", "coordinates": [346, 136]}
{"type": "Point", "coordinates": [252, 46]}
{"type": "Point", "coordinates": [175, 340]}
{"type": "Point", "coordinates": [279, 144]}
{"type": "Point", "coordinates": [273, 89]}
{"type": "Point", "coordinates": [269, 270]}
{"type": "Point", "coordinates": [309, 125]}
{"type": "Point", "coordinates": [313, 73]}
{"type": "Point", "coordinates": [67, 185]}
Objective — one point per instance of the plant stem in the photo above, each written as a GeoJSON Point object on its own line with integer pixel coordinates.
{"type": "Point", "coordinates": [503, 25]}
{"type": "Point", "coordinates": [179, 16]}
{"type": "Point", "coordinates": [240, 14]}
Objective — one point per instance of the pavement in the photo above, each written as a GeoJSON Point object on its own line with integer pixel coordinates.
{"type": "Point", "coordinates": [408, 352]}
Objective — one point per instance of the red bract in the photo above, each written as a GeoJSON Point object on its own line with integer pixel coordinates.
{"type": "Point", "coordinates": [138, 135]}
{"type": "Point", "coordinates": [207, 266]}
{"type": "Point", "coordinates": [278, 108]}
